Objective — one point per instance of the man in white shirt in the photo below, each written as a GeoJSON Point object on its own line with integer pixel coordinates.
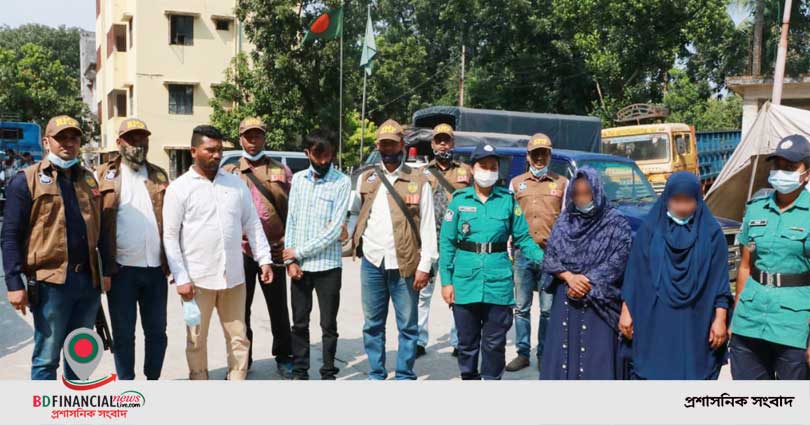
{"type": "Point", "coordinates": [133, 263]}
{"type": "Point", "coordinates": [398, 244]}
{"type": "Point", "coordinates": [206, 212]}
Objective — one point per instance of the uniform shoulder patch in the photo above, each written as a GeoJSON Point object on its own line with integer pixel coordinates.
{"type": "Point", "coordinates": [448, 216]}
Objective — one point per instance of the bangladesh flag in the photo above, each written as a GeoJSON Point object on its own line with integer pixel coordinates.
{"type": "Point", "coordinates": [328, 26]}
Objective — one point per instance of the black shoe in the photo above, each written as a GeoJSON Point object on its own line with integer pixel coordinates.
{"type": "Point", "coordinates": [298, 377]}
{"type": "Point", "coordinates": [420, 351]}
{"type": "Point", "coordinates": [455, 352]}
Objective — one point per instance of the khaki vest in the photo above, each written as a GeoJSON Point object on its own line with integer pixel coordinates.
{"type": "Point", "coordinates": [46, 256]}
{"type": "Point", "coordinates": [109, 176]}
{"type": "Point", "coordinates": [459, 175]}
{"type": "Point", "coordinates": [408, 185]}
{"type": "Point", "coordinates": [541, 201]}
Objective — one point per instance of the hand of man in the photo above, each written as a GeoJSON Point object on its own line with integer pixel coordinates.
{"type": "Point", "coordinates": [294, 271]}
{"type": "Point", "coordinates": [344, 233]}
{"type": "Point", "coordinates": [289, 254]}
{"type": "Point", "coordinates": [420, 280]}
{"type": "Point", "coordinates": [186, 291]}
{"type": "Point", "coordinates": [718, 333]}
{"type": "Point", "coordinates": [107, 282]}
{"type": "Point", "coordinates": [19, 299]}
{"type": "Point", "coordinates": [267, 274]}
{"type": "Point", "coordinates": [579, 284]}
{"type": "Point", "coordinates": [626, 323]}
{"type": "Point", "coordinates": [449, 294]}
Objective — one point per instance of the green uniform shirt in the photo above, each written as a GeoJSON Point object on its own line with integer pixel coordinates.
{"type": "Point", "coordinates": [779, 243]}
{"type": "Point", "coordinates": [485, 278]}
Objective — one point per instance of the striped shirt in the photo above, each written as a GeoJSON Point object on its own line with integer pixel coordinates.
{"type": "Point", "coordinates": [316, 212]}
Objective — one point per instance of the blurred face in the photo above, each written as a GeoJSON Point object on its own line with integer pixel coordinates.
{"type": "Point", "coordinates": [390, 147]}
{"type": "Point", "coordinates": [539, 158]}
{"type": "Point", "coordinates": [582, 195]}
{"type": "Point", "coordinates": [65, 144]}
{"type": "Point", "coordinates": [442, 143]}
{"type": "Point", "coordinates": [252, 141]}
{"type": "Point", "coordinates": [207, 155]}
{"type": "Point", "coordinates": [682, 206]}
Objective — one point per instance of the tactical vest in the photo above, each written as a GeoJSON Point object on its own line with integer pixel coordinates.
{"type": "Point", "coordinates": [541, 201]}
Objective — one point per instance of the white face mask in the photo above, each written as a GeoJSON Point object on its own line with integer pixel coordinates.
{"type": "Point", "coordinates": [485, 178]}
{"type": "Point", "coordinates": [253, 158]}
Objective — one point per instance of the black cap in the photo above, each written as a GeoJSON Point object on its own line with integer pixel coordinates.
{"type": "Point", "coordinates": [793, 148]}
{"type": "Point", "coordinates": [483, 150]}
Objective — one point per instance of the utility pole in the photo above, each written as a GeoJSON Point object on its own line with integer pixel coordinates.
{"type": "Point", "coordinates": [461, 80]}
{"type": "Point", "coordinates": [781, 56]}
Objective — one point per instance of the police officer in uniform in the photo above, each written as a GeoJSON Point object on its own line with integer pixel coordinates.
{"type": "Point", "coordinates": [771, 322]}
{"type": "Point", "coordinates": [50, 234]}
{"type": "Point", "coordinates": [445, 176]}
{"type": "Point", "coordinates": [476, 273]}
{"type": "Point", "coordinates": [270, 199]}
{"type": "Point", "coordinates": [539, 191]}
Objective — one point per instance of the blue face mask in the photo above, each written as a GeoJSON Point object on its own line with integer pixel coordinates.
{"type": "Point", "coordinates": [62, 163]}
{"type": "Point", "coordinates": [538, 172]}
{"type": "Point", "coordinates": [253, 158]}
{"type": "Point", "coordinates": [191, 313]}
{"type": "Point", "coordinates": [785, 181]}
{"type": "Point", "coordinates": [679, 221]}
{"type": "Point", "coordinates": [585, 209]}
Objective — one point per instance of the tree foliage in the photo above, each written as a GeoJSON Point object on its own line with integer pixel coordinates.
{"type": "Point", "coordinates": [62, 41]}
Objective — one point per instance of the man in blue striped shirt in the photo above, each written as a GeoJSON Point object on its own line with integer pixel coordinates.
{"type": "Point", "coordinates": [318, 202]}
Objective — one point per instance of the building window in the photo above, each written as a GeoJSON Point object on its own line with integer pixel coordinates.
{"type": "Point", "coordinates": [131, 25]}
{"type": "Point", "coordinates": [181, 30]}
{"type": "Point", "coordinates": [117, 104]}
{"type": "Point", "coordinates": [181, 99]}
{"type": "Point", "coordinates": [131, 96]}
{"type": "Point", "coordinates": [222, 24]}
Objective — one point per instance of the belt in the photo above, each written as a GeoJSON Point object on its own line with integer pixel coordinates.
{"type": "Point", "coordinates": [78, 268]}
{"type": "Point", "coordinates": [779, 280]}
{"type": "Point", "coordinates": [481, 248]}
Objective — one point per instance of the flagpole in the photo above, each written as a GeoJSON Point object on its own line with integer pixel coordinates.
{"type": "Point", "coordinates": [340, 114]}
{"type": "Point", "coordinates": [363, 117]}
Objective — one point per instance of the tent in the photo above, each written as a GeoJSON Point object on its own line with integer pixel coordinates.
{"type": "Point", "coordinates": [735, 183]}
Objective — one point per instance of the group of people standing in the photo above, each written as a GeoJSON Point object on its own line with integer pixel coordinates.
{"type": "Point", "coordinates": [614, 305]}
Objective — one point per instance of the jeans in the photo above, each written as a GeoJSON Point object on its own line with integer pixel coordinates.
{"type": "Point", "coordinates": [528, 279]}
{"type": "Point", "coordinates": [275, 297]}
{"type": "Point", "coordinates": [61, 310]}
{"type": "Point", "coordinates": [132, 288]}
{"type": "Point", "coordinates": [378, 285]}
{"type": "Point", "coordinates": [425, 297]}
{"type": "Point", "coordinates": [326, 285]}
{"type": "Point", "coordinates": [482, 328]}
{"type": "Point", "coordinates": [753, 358]}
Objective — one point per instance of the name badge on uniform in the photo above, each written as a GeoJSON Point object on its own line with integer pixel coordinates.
{"type": "Point", "coordinates": [797, 229]}
{"type": "Point", "coordinates": [756, 223]}
{"type": "Point", "coordinates": [45, 179]}
{"type": "Point", "coordinates": [110, 175]}
{"type": "Point", "coordinates": [468, 209]}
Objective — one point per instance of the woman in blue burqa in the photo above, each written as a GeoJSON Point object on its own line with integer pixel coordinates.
{"type": "Point", "coordinates": [676, 288]}
{"type": "Point", "coordinates": [586, 253]}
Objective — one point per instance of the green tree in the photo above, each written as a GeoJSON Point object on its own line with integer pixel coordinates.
{"type": "Point", "coordinates": [691, 103]}
{"type": "Point", "coordinates": [62, 41]}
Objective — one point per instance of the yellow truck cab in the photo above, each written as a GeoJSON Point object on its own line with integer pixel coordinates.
{"type": "Point", "coordinates": [658, 149]}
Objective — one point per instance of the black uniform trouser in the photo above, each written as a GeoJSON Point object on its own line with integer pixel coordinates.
{"type": "Point", "coordinates": [326, 285]}
{"type": "Point", "coordinates": [753, 358]}
{"type": "Point", "coordinates": [275, 297]}
{"type": "Point", "coordinates": [482, 329]}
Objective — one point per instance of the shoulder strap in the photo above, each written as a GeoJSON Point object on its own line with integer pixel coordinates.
{"type": "Point", "coordinates": [400, 204]}
{"type": "Point", "coordinates": [266, 193]}
{"type": "Point", "coordinates": [442, 181]}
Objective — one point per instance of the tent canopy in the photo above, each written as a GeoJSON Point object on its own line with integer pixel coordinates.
{"type": "Point", "coordinates": [735, 185]}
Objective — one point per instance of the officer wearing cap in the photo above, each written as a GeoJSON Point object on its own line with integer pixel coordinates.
{"type": "Point", "coordinates": [771, 322]}
{"type": "Point", "coordinates": [133, 262]}
{"type": "Point", "coordinates": [476, 273]}
{"type": "Point", "coordinates": [396, 236]}
{"type": "Point", "coordinates": [445, 176]}
{"type": "Point", "coordinates": [539, 191]}
{"type": "Point", "coordinates": [269, 184]}
{"type": "Point", "coordinates": [50, 233]}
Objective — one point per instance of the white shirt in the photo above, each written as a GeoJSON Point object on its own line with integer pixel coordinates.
{"type": "Point", "coordinates": [137, 238]}
{"type": "Point", "coordinates": [378, 238]}
{"type": "Point", "coordinates": [203, 224]}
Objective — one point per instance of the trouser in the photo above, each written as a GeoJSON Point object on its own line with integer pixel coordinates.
{"type": "Point", "coordinates": [230, 305]}
{"type": "Point", "coordinates": [134, 288]}
{"type": "Point", "coordinates": [378, 286]}
{"type": "Point", "coordinates": [326, 285]}
{"type": "Point", "coordinates": [275, 297]}
{"type": "Point", "coordinates": [425, 297]}
{"type": "Point", "coordinates": [753, 358]}
{"type": "Point", "coordinates": [529, 278]}
{"type": "Point", "coordinates": [482, 327]}
{"type": "Point", "coordinates": [61, 310]}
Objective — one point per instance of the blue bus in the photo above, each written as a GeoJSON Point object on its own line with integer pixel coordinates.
{"type": "Point", "coordinates": [21, 137]}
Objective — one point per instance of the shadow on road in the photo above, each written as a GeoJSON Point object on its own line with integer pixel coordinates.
{"type": "Point", "coordinates": [15, 332]}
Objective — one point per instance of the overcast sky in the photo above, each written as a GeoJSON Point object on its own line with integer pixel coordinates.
{"type": "Point", "coordinates": [72, 13]}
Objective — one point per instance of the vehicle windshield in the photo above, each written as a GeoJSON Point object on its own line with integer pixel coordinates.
{"type": "Point", "coordinates": [641, 147]}
{"type": "Point", "coordinates": [623, 182]}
